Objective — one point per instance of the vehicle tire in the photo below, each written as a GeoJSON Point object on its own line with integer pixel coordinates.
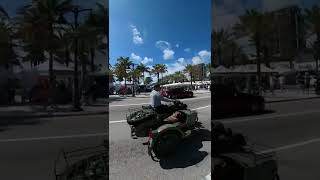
{"type": "Point", "coordinates": [166, 144]}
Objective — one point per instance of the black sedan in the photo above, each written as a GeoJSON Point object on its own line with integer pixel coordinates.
{"type": "Point", "coordinates": [227, 100]}
{"type": "Point", "coordinates": [177, 93]}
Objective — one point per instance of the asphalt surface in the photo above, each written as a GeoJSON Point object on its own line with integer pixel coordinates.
{"type": "Point", "coordinates": [128, 158]}
{"type": "Point", "coordinates": [29, 148]}
{"type": "Point", "coordinates": [292, 131]}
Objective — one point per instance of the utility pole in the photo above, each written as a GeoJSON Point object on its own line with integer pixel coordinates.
{"type": "Point", "coordinates": [76, 90]}
{"type": "Point", "coordinates": [133, 78]}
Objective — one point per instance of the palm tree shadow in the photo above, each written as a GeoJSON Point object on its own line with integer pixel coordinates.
{"type": "Point", "coordinates": [20, 120]}
{"type": "Point", "coordinates": [244, 114]}
{"type": "Point", "coordinates": [188, 153]}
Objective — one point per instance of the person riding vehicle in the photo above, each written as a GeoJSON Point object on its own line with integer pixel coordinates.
{"type": "Point", "coordinates": [156, 99]}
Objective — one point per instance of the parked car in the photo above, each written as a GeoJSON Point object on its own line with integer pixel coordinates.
{"type": "Point", "coordinates": [227, 100]}
{"type": "Point", "coordinates": [177, 93]}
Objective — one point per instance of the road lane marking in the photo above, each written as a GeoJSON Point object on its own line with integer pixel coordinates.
{"type": "Point", "coordinates": [121, 121]}
{"type": "Point", "coordinates": [123, 105]}
{"type": "Point", "coordinates": [201, 107]}
{"type": "Point", "coordinates": [268, 117]}
{"type": "Point", "coordinates": [52, 137]}
{"type": "Point", "coordinates": [290, 146]}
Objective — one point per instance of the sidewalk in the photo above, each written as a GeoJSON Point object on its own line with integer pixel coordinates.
{"type": "Point", "coordinates": [33, 111]}
{"type": "Point", "coordinates": [147, 95]}
{"type": "Point", "coordinates": [289, 95]}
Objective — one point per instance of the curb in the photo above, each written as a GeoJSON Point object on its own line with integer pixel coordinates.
{"type": "Point", "coordinates": [295, 99]}
{"type": "Point", "coordinates": [53, 115]}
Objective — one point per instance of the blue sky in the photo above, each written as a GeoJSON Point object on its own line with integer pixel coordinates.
{"type": "Point", "coordinates": [172, 32]}
{"type": "Point", "coordinates": [11, 6]}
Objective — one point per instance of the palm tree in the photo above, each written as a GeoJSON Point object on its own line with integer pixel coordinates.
{"type": "Point", "coordinates": [220, 40]}
{"type": "Point", "coordinates": [136, 74]}
{"type": "Point", "coordinates": [312, 17]}
{"type": "Point", "coordinates": [120, 68]}
{"type": "Point", "coordinates": [163, 69]}
{"type": "Point", "coordinates": [50, 11]}
{"type": "Point", "coordinates": [178, 76]}
{"type": "Point", "coordinates": [32, 35]}
{"type": "Point", "coordinates": [143, 68]}
{"type": "Point", "coordinates": [42, 16]}
{"type": "Point", "coordinates": [157, 69]}
{"type": "Point", "coordinates": [253, 23]}
{"type": "Point", "coordinates": [189, 69]}
{"type": "Point", "coordinates": [7, 53]}
{"type": "Point", "coordinates": [3, 13]}
{"type": "Point", "coordinates": [97, 23]}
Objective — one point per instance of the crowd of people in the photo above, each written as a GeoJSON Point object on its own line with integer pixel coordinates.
{"type": "Point", "coordinates": [303, 82]}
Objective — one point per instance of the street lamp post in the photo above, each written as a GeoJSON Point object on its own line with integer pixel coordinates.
{"type": "Point", "coordinates": [133, 78]}
{"type": "Point", "coordinates": [76, 95]}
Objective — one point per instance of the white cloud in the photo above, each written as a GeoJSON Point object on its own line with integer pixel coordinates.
{"type": "Point", "coordinates": [179, 65]}
{"type": "Point", "coordinates": [203, 56]}
{"type": "Point", "coordinates": [137, 39]}
{"type": "Point", "coordinates": [135, 57]}
{"type": "Point", "coordinates": [177, 45]}
{"type": "Point", "coordinates": [165, 46]}
{"type": "Point", "coordinates": [181, 61]}
{"type": "Point", "coordinates": [197, 60]}
{"type": "Point", "coordinates": [146, 60]}
{"type": "Point", "coordinates": [187, 49]}
{"type": "Point", "coordinates": [168, 54]}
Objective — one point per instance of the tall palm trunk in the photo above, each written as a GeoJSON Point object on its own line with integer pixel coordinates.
{"type": "Point", "coordinates": [191, 79]}
{"type": "Point", "coordinates": [158, 77]}
{"type": "Point", "coordinates": [92, 56]}
{"type": "Point", "coordinates": [51, 78]}
{"type": "Point", "coordinates": [317, 52]}
{"type": "Point", "coordinates": [258, 51]}
{"type": "Point", "coordinates": [143, 78]}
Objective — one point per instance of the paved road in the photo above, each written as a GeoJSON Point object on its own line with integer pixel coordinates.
{"type": "Point", "coordinates": [292, 130]}
{"type": "Point", "coordinates": [118, 109]}
{"type": "Point", "coordinates": [28, 148]}
{"type": "Point", "coordinates": [129, 159]}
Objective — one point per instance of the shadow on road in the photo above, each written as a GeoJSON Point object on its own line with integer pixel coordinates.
{"type": "Point", "coordinates": [19, 120]}
{"type": "Point", "coordinates": [242, 115]}
{"type": "Point", "coordinates": [188, 153]}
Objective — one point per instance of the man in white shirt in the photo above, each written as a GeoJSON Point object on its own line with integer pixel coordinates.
{"type": "Point", "coordinates": [156, 97]}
